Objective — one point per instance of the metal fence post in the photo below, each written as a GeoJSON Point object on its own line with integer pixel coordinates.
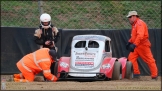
{"type": "Point", "coordinates": [40, 6]}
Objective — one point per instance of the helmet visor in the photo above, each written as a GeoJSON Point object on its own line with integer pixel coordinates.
{"type": "Point", "coordinates": [45, 23]}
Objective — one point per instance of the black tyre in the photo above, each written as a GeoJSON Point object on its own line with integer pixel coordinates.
{"type": "Point", "coordinates": [116, 71]}
{"type": "Point", "coordinates": [129, 70]}
{"type": "Point", "coordinates": [56, 68]}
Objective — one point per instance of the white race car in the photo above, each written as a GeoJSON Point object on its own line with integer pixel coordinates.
{"type": "Point", "coordinates": [91, 59]}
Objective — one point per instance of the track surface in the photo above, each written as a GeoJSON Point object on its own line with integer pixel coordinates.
{"type": "Point", "coordinates": [144, 83]}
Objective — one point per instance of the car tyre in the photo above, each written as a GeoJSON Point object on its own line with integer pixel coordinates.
{"type": "Point", "coordinates": [116, 71]}
{"type": "Point", "coordinates": [56, 68]}
{"type": "Point", "coordinates": [129, 70]}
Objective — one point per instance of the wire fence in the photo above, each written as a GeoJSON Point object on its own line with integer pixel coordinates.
{"type": "Point", "coordinates": [80, 14]}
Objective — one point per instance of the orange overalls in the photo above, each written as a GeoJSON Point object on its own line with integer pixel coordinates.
{"type": "Point", "coordinates": [34, 63]}
{"type": "Point", "coordinates": [139, 37]}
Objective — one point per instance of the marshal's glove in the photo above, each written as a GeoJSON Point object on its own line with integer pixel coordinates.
{"type": "Point", "coordinates": [127, 45]}
{"type": "Point", "coordinates": [131, 47]}
{"type": "Point", "coordinates": [55, 79]}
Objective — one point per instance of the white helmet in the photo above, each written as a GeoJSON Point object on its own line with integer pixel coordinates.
{"type": "Point", "coordinates": [45, 18]}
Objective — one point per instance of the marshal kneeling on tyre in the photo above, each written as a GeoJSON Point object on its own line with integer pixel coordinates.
{"type": "Point", "coordinates": [91, 59]}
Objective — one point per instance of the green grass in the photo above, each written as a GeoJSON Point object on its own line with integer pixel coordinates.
{"type": "Point", "coordinates": [80, 14]}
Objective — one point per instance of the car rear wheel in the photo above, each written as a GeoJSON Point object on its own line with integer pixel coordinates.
{"type": "Point", "coordinates": [116, 71]}
{"type": "Point", "coordinates": [56, 68]}
{"type": "Point", "coordinates": [129, 70]}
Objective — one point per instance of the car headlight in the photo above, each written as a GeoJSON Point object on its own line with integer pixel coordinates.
{"type": "Point", "coordinates": [64, 64]}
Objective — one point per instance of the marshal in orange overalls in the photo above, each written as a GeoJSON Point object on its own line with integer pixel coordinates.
{"type": "Point", "coordinates": [34, 63]}
{"type": "Point", "coordinates": [139, 37]}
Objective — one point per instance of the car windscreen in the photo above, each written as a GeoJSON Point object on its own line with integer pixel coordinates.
{"type": "Point", "coordinates": [80, 44]}
{"type": "Point", "coordinates": [93, 44]}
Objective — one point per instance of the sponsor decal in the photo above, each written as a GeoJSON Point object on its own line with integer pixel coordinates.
{"type": "Point", "coordinates": [64, 64]}
{"type": "Point", "coordinates": [85, 56]}
{"type": "Point", "coordinates": [106, 66]}
{"type": "Point", "coordinates": [84, 64]}
{"type": "Point", "coordinates": [78, 58]}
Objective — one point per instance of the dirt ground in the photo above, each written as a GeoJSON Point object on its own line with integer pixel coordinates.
{"type": "Point", "coordinates": [144, 83]}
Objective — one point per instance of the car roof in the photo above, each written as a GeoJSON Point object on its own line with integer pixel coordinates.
{"type": "Point", "coordinates": [91, 37]}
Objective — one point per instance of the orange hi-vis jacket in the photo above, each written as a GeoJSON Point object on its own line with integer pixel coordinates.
{"type": "Point", "coordinates": [140, 37]}
{"type": "Point", "coordinates": [38, 61]}
{"type": "Point", "coordinates": [139, 33]}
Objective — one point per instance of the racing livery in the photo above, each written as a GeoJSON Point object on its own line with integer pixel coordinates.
{"type": "Point", "coordinates": [91, 58]}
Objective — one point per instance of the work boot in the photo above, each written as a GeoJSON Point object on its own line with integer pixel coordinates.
{"type": "Point", "coordinates": [16, 80]}
{"type": "Point", "coordinates": [154, 79]}
{"type": "Point", "coordinates": [16, 76]}
{"type": "Point", "coordinates": [19, 76]}
{"type": "Point", "coordinates": [20, 80]}
{"type": "Point", "coordinates": [136, 77]}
